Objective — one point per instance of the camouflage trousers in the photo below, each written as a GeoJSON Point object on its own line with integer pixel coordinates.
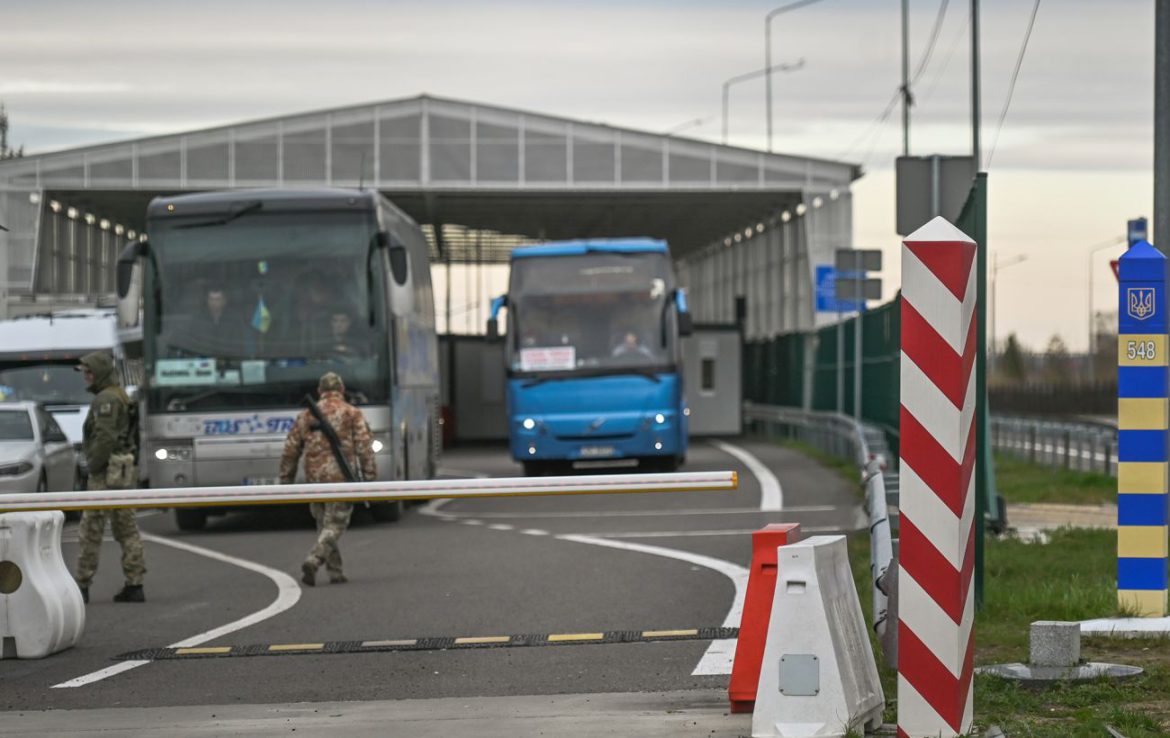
{"type": "Point", "coordinates": [332, 520]}
{"type": "Point", "coordinates": [125, 529]}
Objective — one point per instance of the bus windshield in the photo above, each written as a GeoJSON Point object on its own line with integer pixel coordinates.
{"type": "Point", "coordinates": [599, 312]}
{"type": "Point", "coordinates": [52, 383]}
{"type": "Point", "coordinates": [254, 309]}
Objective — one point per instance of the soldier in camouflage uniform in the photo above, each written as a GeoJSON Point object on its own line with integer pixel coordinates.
{"type": "Point", "coordinates": [321, 466]}
{"type": "Point", "coordinates": [106, 432]}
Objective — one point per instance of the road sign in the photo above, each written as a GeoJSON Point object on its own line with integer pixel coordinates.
{"type": "Point", "coordinates": [826, 297]}
{"type": "Point", "coordinates": [859, 289]}
{"type": "Point", "coordinates": [865, 260]}
{"type": "Point", "coordinates": [1137, 230]}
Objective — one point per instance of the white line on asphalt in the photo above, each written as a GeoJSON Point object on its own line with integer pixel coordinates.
{"type": "Point", "coordinates": [719, 655]}
{"type": "Point", "coordinates": [461, 473]}
{"type": "Point", "coordinates": [658, 513]}
{"type": "Point", "coordinates": [534, 532]}
{"type": "Point", "coordinates": [471, 522]}
{"type": "Point", "coordinates": [500, 526]}
{"type": "Point", "coordinates": [288, 593]}
{"type": "Point", "coordinates": [771, 495]}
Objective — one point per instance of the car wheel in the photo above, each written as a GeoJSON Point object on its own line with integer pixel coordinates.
{"type": "Point", "coordinates": [188, 518]}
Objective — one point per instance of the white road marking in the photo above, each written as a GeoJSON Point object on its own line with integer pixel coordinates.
{"type": "Point", "coordinates": [288, 594]}
{"type": "Point", "coordinates": [471, 522]}
{"type": "Point", "coordinates": [771, 495]}
{"type": "Point", "coordinates": [534, 532]}
{"type": "Point", "coordinates": [720, 654]}
{"type": "Point", "coordinates": [461, 473]}
{"type": "Point", "coordinates": [500, 526]}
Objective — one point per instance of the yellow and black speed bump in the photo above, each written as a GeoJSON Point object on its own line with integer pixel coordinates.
{"type": "Point", "coordinates": [432, 644]}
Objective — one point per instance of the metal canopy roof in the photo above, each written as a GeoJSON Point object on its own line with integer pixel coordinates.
{"type": "Point", "coordinates": [492, 176]}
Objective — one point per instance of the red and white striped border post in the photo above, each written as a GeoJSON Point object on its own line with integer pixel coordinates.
{"type": "Point", "coordinates": [936, 608]}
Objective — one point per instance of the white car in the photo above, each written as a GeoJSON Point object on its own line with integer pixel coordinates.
{"type": "Point", "coordinates": [35, 454]}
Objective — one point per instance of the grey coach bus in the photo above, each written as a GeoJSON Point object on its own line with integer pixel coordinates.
{"type": "Point", "coordinates": [246, 297]}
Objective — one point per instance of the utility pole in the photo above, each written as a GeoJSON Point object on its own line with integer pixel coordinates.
{"type": "Point", "coordinates": [906, 78]}
{"type": "Point", "coordinates": [975, 86]}
{"type": "Point", "coordinates": [1162, 124]}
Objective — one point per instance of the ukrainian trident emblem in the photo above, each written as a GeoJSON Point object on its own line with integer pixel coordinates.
{"type": "Point", "coordinates": [1140, 304]}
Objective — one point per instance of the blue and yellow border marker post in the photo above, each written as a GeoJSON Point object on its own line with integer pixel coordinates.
{"type": "Point", "coordinates": [1143, 416]}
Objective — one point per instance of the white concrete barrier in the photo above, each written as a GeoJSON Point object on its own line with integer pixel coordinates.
{"type": "Point", "coordinates": [819, 677]}
{"type": "Point", "coordinates": [41, 611]}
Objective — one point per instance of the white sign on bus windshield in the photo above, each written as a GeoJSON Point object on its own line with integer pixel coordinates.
{"type": "Point", "coordinates": [550, 359]}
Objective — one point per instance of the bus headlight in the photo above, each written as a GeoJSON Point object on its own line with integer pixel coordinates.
{"type": "Point", "coordinates": [377, 446]}
{"type": "Point", "coordinates": [660, 418]}
{"type": "Point", "coordinates": [173, 453]}
{"type": "Point", "coordinates": [658, 445]}
{"type": "Point", "coordinates": [161, 454]}
{"type": "Point", "coordinates": [529, 424]}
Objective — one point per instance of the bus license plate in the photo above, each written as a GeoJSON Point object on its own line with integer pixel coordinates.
{"type": "Point", "coordinates": [254, 481]}
{"type": "Point", "coordinates": [597, 452]}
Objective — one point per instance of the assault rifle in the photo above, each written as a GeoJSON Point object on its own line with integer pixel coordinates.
{"type": "Point", "coordinates": [331, 436]}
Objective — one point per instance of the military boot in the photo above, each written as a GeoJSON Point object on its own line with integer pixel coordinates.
{"type": "Point", "coordinates": [309, 571]}
{"type": "Point", "coordinates": [337, 578]}
{"type": "Point", "coordinates": [131, 593]}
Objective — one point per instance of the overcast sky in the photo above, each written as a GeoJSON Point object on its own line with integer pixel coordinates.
{"type": "Point", "coordinates": [1073, 160]}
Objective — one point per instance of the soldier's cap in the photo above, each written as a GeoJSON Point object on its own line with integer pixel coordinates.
{"type": "Point", "coordinates": [330, 382]}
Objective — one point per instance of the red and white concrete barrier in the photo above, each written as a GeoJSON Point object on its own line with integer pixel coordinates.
{"type": "Point", "coordinates": [937, 503]}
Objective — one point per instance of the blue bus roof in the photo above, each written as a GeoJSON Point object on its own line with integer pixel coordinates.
{"type": "Point", "coordinates": [577, 248]}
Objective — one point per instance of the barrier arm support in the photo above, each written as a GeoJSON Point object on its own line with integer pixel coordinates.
{"type": "Point", "coordinates": [275, 494]}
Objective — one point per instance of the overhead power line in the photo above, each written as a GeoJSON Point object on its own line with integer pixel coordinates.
{"type": "Point", "coordinates": [1012, 84]}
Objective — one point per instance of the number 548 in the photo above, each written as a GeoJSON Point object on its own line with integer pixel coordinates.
{"type": "Point", "coordinates": [1143, 350]}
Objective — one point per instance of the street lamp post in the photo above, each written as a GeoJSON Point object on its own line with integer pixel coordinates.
{"type": "Point", "coordinates": [996, 265]}
{"type": "Point", "coordinates": [768, 56]}
{"type": "Point", "coordinates": [752, 75]}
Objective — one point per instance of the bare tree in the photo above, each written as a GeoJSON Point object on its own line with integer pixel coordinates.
{"type": "Point", "coordinates": [5, 151]}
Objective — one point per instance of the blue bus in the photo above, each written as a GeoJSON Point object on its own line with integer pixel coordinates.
{"type": "Point", "coordinates": [592, 354]}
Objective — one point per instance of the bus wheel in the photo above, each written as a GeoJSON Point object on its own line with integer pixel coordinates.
{"type": "Point", "coordinates": [533, 469]}
{"type": "Point", "coordinates": [386, 512]}
{"type": "Point", "coordinates": [188, 518]}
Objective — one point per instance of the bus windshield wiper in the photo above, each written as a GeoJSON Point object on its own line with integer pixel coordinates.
{"type": "Point", "coordinates": [236, 211]}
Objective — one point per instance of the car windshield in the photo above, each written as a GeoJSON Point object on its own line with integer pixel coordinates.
{"type": "Point", "coordinates": [15, 425]}
{"type": "Point", "coordinates": [255, 309]}
{"type": "Point", "coordinates": [594, 312]}
{"type": "Point", "coordinates": [51, 383]}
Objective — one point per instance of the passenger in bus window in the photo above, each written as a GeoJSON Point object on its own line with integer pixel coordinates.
{"type": "Point", "coordinates": [343, 341]}
{"type": "Point", "coordinates": [630, 346]}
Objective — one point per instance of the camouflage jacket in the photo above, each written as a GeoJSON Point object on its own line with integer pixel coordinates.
{"type": "Point", "coordinates": [107, 426]}
{"type": "Point", "coordinates": [320, 465]}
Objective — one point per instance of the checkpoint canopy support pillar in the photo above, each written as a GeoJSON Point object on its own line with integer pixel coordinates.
{"type": "Point", "coordinates": [1142, 378]}
{"type": "Point", "coordinates": [936, 608]}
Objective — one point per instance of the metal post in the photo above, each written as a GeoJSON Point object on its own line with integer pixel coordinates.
{"type": "Point", "coordinates": [857, 348]}
{"type": "Point", "coordinates": [840, 360]}
{"type": "Point", "coordinates": [1162, 123]}
{"type": "Point", "coordinates": [975, 87]}
{"type": "Point", "coordinates": [905, 78]}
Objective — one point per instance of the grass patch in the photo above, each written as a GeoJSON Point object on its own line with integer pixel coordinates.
{"type": "Point", "coordinates": [1070, 578]}
{"type": "Point", "coordinates": [844, 467]}
{"type": "Point", "coordinates": [1023, 481]}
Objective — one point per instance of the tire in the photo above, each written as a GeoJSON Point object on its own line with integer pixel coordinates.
{"type": "Point", "coordinates": [533, 468]}
{"type": "Point", "coordinates": [190, 518]}
{"type": "Point", "coordinates": [386, 512]}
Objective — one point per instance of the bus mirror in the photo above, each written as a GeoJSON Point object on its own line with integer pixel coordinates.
{"type": "Point", "coordinates": [127, 260]}
{"type": "Point", "coordinates": [686, 324]}
{"type": "Point", "coordinates": [493, 328]}
{"type": "Point", "coordinates": [399, 263]}
{"type": "Point", "coordinates": [382, 239]}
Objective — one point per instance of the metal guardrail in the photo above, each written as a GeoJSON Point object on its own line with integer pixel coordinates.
{"type": "Point", "coordinates": [842, 436]}
{"type": "Point", "coordinates": [1075, 445]}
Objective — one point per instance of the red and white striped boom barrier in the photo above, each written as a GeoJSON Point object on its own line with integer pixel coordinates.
{"type": "Point", "coordinates": [276, 494]}
{"type": "Point", "coordinates": [936, 607]}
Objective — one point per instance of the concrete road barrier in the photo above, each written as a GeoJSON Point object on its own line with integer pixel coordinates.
{"type": "Point", "coordinates": [41, 611]}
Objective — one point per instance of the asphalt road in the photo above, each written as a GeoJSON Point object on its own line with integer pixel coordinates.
{"type": "Point", "coordinates": [476, 568]}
